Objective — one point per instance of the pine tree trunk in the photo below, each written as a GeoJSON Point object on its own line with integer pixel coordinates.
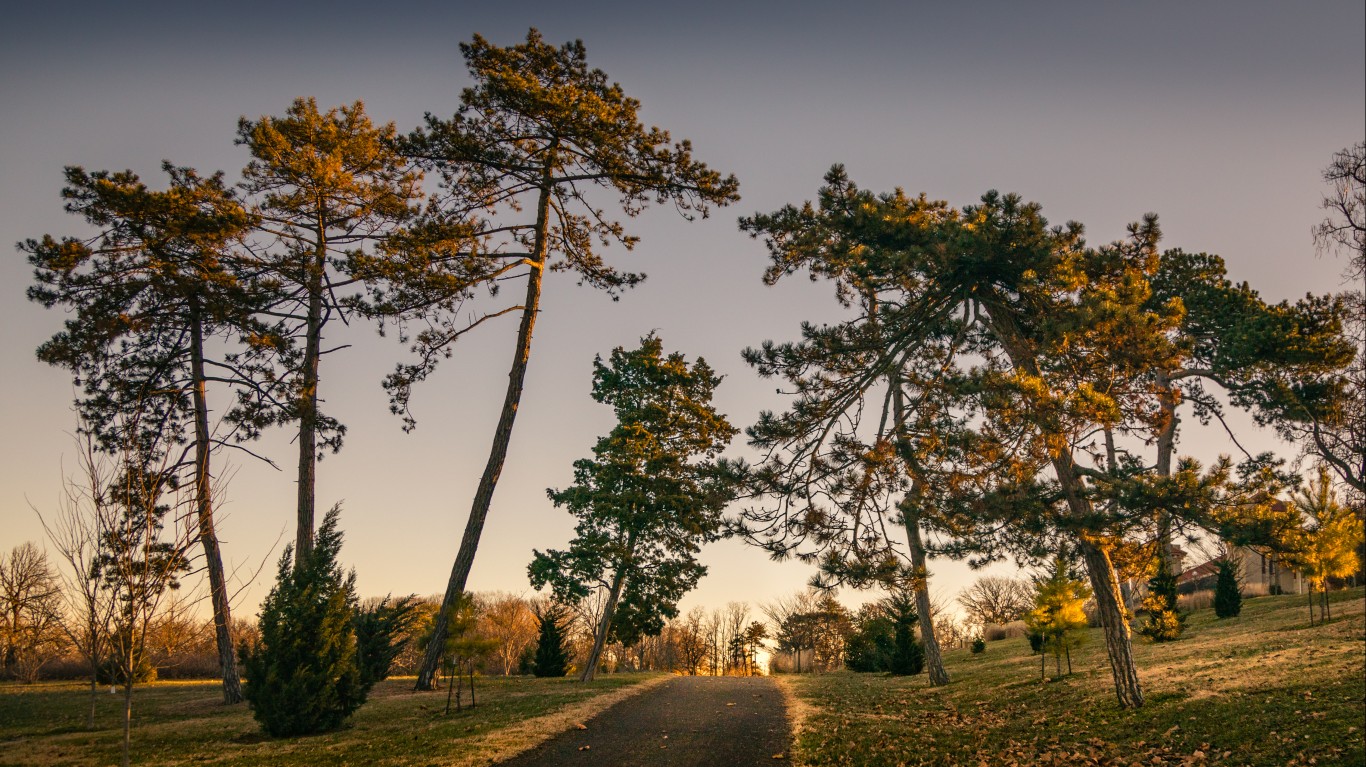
{"type": "Point", "coordinates": [213, 558]}
{"type": "Point", "coordinates": [483, 497]}
{"type": "Point", "coordinates": [307, 403]}
{"type": "Point", "coordinates": [1169, 398]}
{"type": "Point", "coordinates": [1118, 646]}
{"type": "Point", "coordinates": [934, 661]}
{"type": "Point", "coordinates": [911, 519]}
{"type": "Point", "coordinates": [1101, 571]}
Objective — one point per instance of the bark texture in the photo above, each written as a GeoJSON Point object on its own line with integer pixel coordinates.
{"type": "Point", "coordinates": [307, 404]}
{"type": "Point", "coordinates": [934, 661]}
{"type": "Point", "coordinates": [1118, 643]}
{"type": "Point", "coordinates": [208, 537]}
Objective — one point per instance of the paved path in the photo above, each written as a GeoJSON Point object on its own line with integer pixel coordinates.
{"type": "Point", "coordinates": [685, 722]}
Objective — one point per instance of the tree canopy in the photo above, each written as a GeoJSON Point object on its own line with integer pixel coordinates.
{"type": "Point", "coordinates": [648, 499]}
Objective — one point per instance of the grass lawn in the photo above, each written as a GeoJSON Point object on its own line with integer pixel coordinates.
{"type": "Point", "coordinates": [185, 723]}
{"type": "Point", "coordinates": [1261, 689]}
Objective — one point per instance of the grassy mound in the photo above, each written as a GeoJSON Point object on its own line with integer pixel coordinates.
{"type": "Point", "coordinates": [1265, 688]}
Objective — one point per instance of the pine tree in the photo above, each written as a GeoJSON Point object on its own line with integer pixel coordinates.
{"type": "Point", "coordinates": [1326, 546]}
{"type": "Point", "coordinates": [1064, 339]}
{"type": "Point", "coordinates": [304, 676]}
{"type": "Point", "coordinates": [1228, 597]}
{"type": "Point", "coordinates": [1058, 619]}
{"type": "Point", "coordinates": [1164, 622]}
{"type": "Point", "coordinates": [536, 131]}
{"type": "Point", "coordinates": [648, 498]}
{"type": "Point", "coordinates": [146, 299]}
{"type": "Point", "coordinates": [326, 188]}
{"type": "Point", "coordinates": [552, 657]}
{"type": "Point", "coordinates": [908, 655]}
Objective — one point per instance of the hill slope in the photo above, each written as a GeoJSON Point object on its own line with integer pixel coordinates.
{"type": "Point", "coordinates": [1261, 689]}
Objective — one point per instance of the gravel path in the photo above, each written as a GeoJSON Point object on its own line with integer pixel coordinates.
{"type": "Point", "coordinates": [685, 722]}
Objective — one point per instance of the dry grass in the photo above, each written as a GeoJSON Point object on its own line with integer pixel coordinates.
{"type": "Point", "coordinates": [1263, 689]}
{"type": "Point", "coordinates": [185, 723]}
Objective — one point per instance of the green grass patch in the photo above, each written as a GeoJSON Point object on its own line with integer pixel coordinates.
{"type": "Point", "coordinates": [185, 723]}
{"type": "Point", "coordinates": [1261, 689]}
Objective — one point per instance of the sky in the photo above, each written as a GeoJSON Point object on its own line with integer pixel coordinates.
{"type": "Point", "coordinates": [1219, 117]}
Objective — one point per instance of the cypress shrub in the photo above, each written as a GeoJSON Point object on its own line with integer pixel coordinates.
{"type": "Point", "coordinates": [908, 656]}
{"type": "Point", "coordinates": [552, 657]}
{"type": "Point", "coordinates": [870, 647]}
{"type": "Point", "coordinates": [979, 645]}
{"type": "Point", "coordinates": [382, 631]}
{"type": "Point", "coordinates": [1228, 598]}
{"type": "Point", "coordinates": [304, 674]}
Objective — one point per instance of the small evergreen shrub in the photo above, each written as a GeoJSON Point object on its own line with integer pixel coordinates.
{"type": "Point", "coordinates": [304, 674]}
{"type": "Point", "coordinates": [979, 645]}
{"type": "Point", "coordinates": [1036, 641]}
{"type": "Point", "coordinates": [908, 655]}
{"type": "Point", "coordinates": [552, 657]}
{"type": "Point", "coordinates": [1228, 598]}
{"type": "Point", "coordinates": [1164, 622]}
{"type": "Point", "coordinates": [884, 639]}
{"type": "Point", "coordinates": [382, 631]}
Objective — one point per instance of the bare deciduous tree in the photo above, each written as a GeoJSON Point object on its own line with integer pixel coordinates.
{"type": "Point", "coordinates": [76, 531]}
{"type": "Point", "coordinates": [996, 599]}
{"type": "Point", "coordinates": [507, 620]}
{"type": "Point", "coordinates": [30, 612]}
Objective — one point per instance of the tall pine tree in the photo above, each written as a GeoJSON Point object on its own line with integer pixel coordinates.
{"type": "Point", "coordinates": [162, 280]}
{"type": "Point", "coordinates": [534, 136]}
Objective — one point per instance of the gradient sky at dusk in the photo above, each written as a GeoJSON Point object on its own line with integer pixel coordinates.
{"type": "Point", "coordinates": [1217, 116]}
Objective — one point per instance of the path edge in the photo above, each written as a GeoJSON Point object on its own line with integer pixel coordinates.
{"type": "Point", "coordinates": [502, 745]}
{"type": "Point", "coordinates": [798, 711]}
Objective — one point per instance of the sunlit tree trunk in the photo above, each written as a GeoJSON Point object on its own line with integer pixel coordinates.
{"type": "Point", "coordinates": [483, 497]}
{"type": "Point", "coordinates": [590, 668]}
{"type": "Point", "coordinates": [1118, 642]}
{"type": "Point", "coordinates": [307, 401]}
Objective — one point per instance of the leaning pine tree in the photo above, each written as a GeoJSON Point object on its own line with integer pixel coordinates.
{"type": "Point", "coordinates": [305, 674]}
{"type": "Point", "coordinates": [538, 141]}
